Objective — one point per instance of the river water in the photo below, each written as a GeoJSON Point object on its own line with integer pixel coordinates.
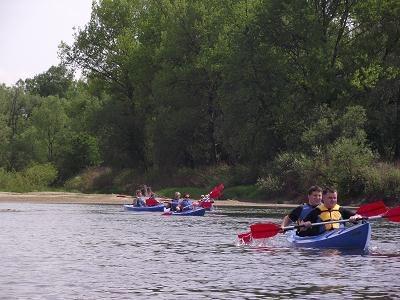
{"type": "Point", "coordinates": [69, 251]}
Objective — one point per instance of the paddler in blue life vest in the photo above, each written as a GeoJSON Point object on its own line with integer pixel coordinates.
{"type": "Point", "coordinates": [185, 204]}
{"type": "Point", "coordinates": [139, 201]}
{"type": "Point", "coordinates": [174, 202]}
{"type": "Point", "coordinates": [301, 211]}
{"type": "Point", "coordinates": [328, 210]}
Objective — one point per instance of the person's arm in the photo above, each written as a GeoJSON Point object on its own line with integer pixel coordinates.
{"type": "Point", "coordinates": [312, 217]}
{"type": "Point", "coordinates": [348, 214]}
{"type": "Point", "coordinates": [286, 221]}
{"type": "Point", "coordinates": [293, 216]}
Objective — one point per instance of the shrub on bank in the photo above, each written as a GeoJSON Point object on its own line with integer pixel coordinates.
{"type": "Point", "coordinates": [40, 175]}
{"type": "Point", "coordinates": [36, 177]}
{"type": "Point", "coordinates": [94, 179]}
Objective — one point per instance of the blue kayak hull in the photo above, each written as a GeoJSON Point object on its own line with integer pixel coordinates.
{"type": "Point", "coordinates": [156, 208]}
{"type": "Point", "coordinates": [194, 212]}
{"type": "Point", "coordinates": [354, 237]}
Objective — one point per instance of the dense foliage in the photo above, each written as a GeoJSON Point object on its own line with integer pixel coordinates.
{"type": "Point", "coordinates": [278, 93]}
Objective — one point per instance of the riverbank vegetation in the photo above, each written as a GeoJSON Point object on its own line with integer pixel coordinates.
{"type": "Point", "coordinates": [267, 96]}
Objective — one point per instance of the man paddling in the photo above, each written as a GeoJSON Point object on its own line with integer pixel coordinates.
{"type": "Point", "coordinates": [301, 211]}
{"type": "Point", "coordinates": [328, 210]}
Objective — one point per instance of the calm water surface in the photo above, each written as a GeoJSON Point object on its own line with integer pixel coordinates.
{"type": "Point", "coordinates": [102, 252]}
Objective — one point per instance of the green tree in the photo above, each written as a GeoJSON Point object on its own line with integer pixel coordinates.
{"type": "Point", "coordinates": [55, 81]}
{"type": "Point", "coordinates": [81, 151]}
{"type": "Point", "coordinates": [186, 85]}
{"type": "Point", "coordinates": [49, 120]}
{"type": "Point", "coordinates": [375, 76]}
{"type": "Point", "coordinates": [110, 51]}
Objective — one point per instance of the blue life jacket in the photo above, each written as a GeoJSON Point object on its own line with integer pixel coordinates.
{"type": "Point", "coordinates": [307, 208]}
{"type": "Point", "coordinates": [140, 202]}
{"type": "Point", "coordinates": [174, 204]}
{"type": "Point", "coordinates": [186, 204]}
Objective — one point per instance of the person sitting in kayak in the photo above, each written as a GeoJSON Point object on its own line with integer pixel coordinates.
{"type": "Point", "coordinates": [329, 210]}
{"type": "Point", "coordinates": [301, 211]}
{"type": "Point", "coordinates": [185, 204]}
{"type": "Point", "coordinates": [152, 201]}
{"type": "Point", "coordinates": [174, 202]}
{"type": "Point", "coordinates": [139, 201]}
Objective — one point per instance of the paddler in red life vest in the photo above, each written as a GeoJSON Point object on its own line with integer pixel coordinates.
{"type": "Point", "coordinates": [301, 211]}
{"type": "Point", "coordinates": [328, 210]}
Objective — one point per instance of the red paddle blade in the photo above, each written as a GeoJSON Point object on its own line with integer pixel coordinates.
{"type": "Point", "coordinates": [393, 214]}
{"type": "Point", "coordinates": [264, 230]}
{"type": "Point", "coordinates": [372, 209]}
{"type": "Point", "coordinates": [245, 238]}
{"type": "Point", "coordinates": [122, 196]}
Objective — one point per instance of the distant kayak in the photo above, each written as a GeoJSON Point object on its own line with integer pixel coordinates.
{"type": "Point", "coordinates": [192, 212]}
{"type": "Point", "coordinates": [207, 205]}
{"type": "Point", "coordinates": [354, 237]}
{"type": "Point", "coordinates": [155, 208]}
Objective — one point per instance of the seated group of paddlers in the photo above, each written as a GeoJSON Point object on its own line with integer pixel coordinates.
{"type": "Point", "coordinates": [146, 197]}
{"type": "Point", "coordinates": [175, 204]}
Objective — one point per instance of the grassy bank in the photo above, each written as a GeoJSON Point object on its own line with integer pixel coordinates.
{"type": "Point", "coordinates": [239, 184]}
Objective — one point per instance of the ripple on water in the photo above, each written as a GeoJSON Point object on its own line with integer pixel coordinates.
{"type": "Point", "coordinates": [103, 252]}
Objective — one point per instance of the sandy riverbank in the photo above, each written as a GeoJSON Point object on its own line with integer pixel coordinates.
{"type": "Point", "coordinates": [79, 198]}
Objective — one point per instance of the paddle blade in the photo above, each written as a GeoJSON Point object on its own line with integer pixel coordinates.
{"type": "Point", "coordinates": [264, 230]}
{"type": "Point", "coordinates": [393, 214]}
{"type": "Point", "coordinates": [372, 209]}
{"type": "Point", "coordinates": [245, 238]}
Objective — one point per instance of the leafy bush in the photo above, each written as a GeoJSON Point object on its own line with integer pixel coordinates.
{"type": "Point", "coordinates": [294, 170]}
{"type": "Point", "coordinates": [34, 178]}
{"type": "Point", "coordinates": [270, 184]}
{"type": "Point", "coordinates": [40, 176]}
{"type": "Point", "coordinates": [74, 184]}
{"type": "Point", "coordinates": [347, 159]}
{"type": "Point", "coordinates": [390, 178]}
{"type": "Point", "coordinates": [373, 180]}
{"type": "Point", "coordinates": [383, 180]}
{"type": "Point", "coordinates": [91, 180]}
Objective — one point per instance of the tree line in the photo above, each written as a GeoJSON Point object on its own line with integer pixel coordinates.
{"type": "Point", "coordinates": [281, 93]}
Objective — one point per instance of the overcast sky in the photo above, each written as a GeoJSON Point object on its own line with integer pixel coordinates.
{"type": "Point", "coordinates": [30, 32]}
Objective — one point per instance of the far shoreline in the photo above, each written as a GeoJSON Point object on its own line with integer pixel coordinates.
{"type": "Point", "coordinates": [108, 199]}
{"type": "Point", "coordinates": [112, 199]}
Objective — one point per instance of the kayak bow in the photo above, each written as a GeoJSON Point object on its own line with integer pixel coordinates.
{"type": "Point", "coordinates": [156, 208]}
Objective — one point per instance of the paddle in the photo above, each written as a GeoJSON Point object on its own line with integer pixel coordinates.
{"type": "Point", "coordinates": [123, 196]}
{"type": "Point", "coordinates": [266, 230]}
{"type": "Point", "coordinates": [366, 210]}
{"type": "Point", "coordinates": [372, 209]}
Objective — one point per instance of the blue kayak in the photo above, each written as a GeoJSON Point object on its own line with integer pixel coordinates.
{"type": "Point", "coordinates": [354, 237]}
{"type": "Point", "coordinates": [156, 208]}
{"type": "Point", "coordinates": [192, 212]}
